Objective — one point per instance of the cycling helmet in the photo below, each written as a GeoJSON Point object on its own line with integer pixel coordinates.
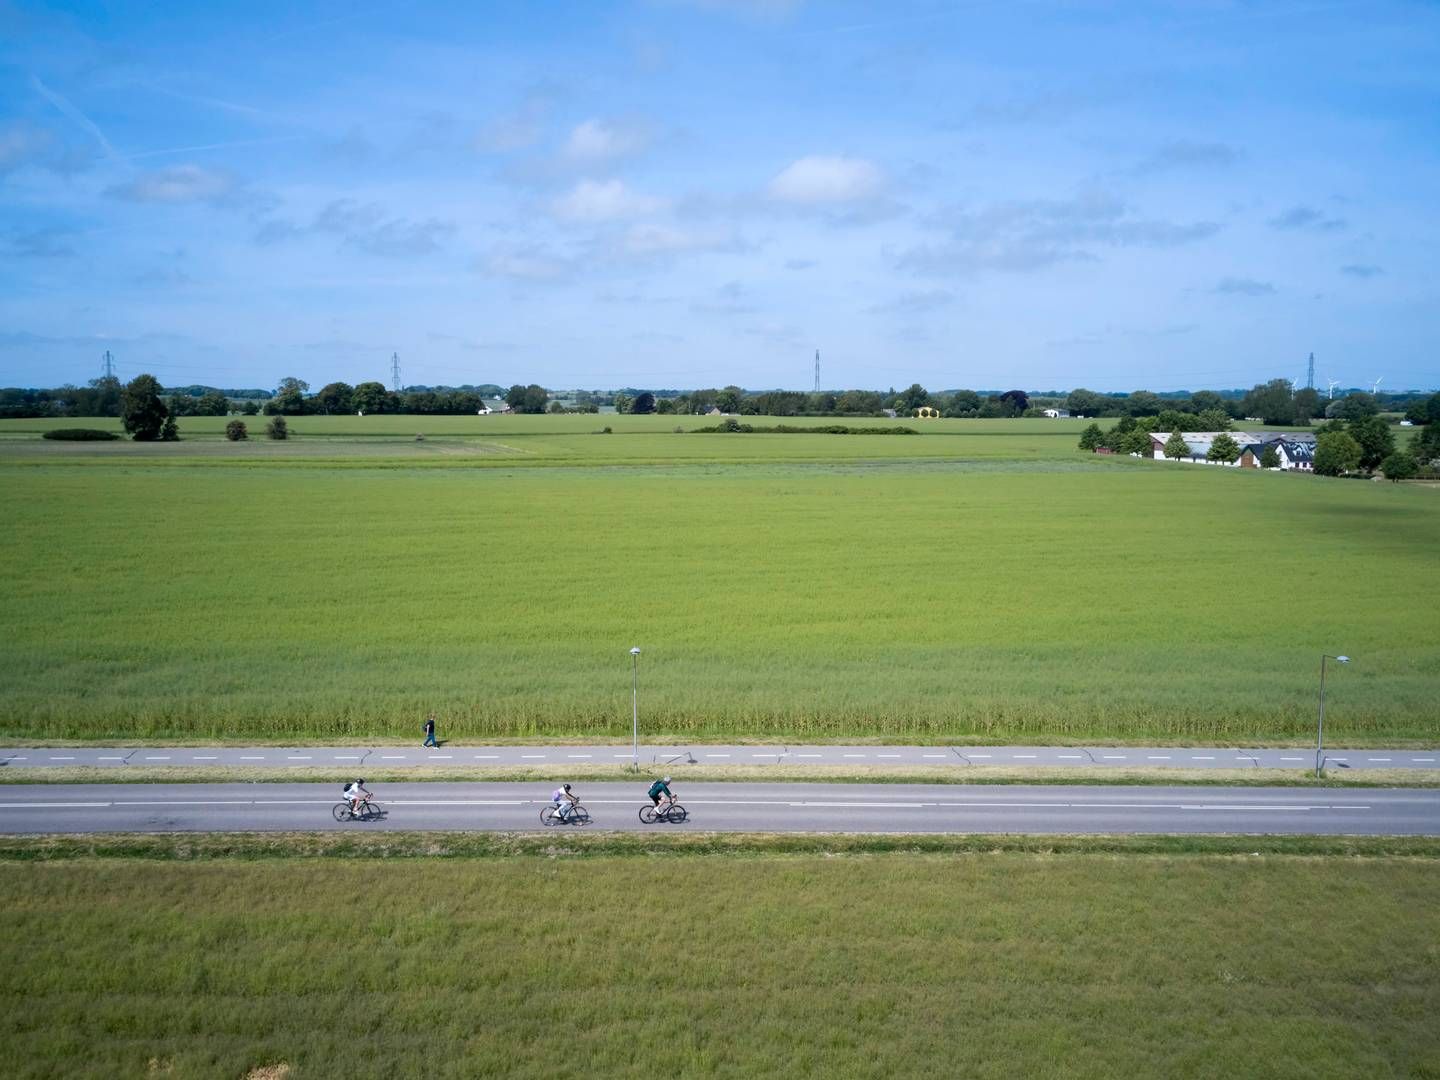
{"type": "Point", "coordinates": [567, 787]}
{"type": "Point", "coordinates": [667, 779]}
{"type": "Point", "coordinates": [361, 781]}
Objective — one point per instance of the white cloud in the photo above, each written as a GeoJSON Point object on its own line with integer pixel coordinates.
{"type": "Point", "coordinates": [819, 180]}
{"type": "Point", "coordinates": [598, 142]}
{"type": "Point", "coordinates": [177, 184]}
{"type": "Point", "coordinates": [529, 263]}
{"type": "Point", "coordinates": [604, 200]}
{"type": "Point", "coordinates": [652, 239]}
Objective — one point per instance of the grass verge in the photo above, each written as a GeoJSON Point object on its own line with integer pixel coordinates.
{"type": "Point", "coordinates": [785, 964]}
{"type": "Point", "coordinates": [834, 774]}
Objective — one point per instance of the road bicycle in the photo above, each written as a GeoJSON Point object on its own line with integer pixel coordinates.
{"type": "Point", "coordinates": [673, 813]}
{"type": "Point", "coordinates": [578, 815]}
{"type": "Point", "coordinates": [369, 811]}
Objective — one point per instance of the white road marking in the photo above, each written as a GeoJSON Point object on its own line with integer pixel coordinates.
{"type": "Point", "coordinates": [579, 755]}
{"type": "Point", "coordinates": [347, 757]}
{"type": "Point", "coordinates": [1292, 759]}
{"type": "Point", "coordinates": [251, 757]}
{"type": "Point", "coordinates": [297, 757]}
{"type": "Point", "coordinates": [1202, 757]}
{"type": "Point", "coordinates": [22, 758]}
{"type": "Point", "coordinates": [922, 755]}
{"type": "Point", "coordinates": [727, 755]}
{"type": "Point", "coordinates": [797, 755]}
{"type": "Point", "coordinates": [53, 758]}
{"type": "Point", "coordinates": [47, 805]}
{"type": "Point", "coordinates": [532, 757]}
{"type": "Point", "coordinates": [205, 757]}
{"type": "Point", "coordinates": [1157, 757]}
{"type": "Point", "coordinates": [1071, 757]}
{"type": "Point", "coordinates": [978, 755]}
{"type": "Point", "coordinates": [852, 755]}
{"type": "Point", "coordinates": [767, 755]}
{"type": "Point", "coordinates": [1418, 759]}
{"type": "Point", "coordinates": [392, 757]}
{"type": "Point", "coordinates": [157, 759]}
{"type": "Point", "coordinates": [1376, 759]}
{"type": "Point", "coordinates": [105, 759]}
{"type": "Point", "coordinates": [440, 757]}
{"type": "Point", "coordinates": [888, 755]}
{"type": "Point", "coordinates": [483, 757]}
{"type": "Point", "coordinates": [1113, 757]}
{"type": "Point", "coordinates": [1022, 755]}
{"type": "Point", "coordinates": [622, 756]}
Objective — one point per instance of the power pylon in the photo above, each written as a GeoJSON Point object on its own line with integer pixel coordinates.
{"type": "Point", "coordinates": [395, 371]}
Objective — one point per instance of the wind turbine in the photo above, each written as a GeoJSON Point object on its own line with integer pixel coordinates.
{"type": "Point", "coordinates": [1374, 390]}
{"type": "Point", "coordinates": [1333, 383]}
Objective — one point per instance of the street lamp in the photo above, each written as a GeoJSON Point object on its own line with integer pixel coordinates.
{"type": "Point", "coordinates": [635, 700]}
{"type": "Point", "coordinates": [1320, 724]}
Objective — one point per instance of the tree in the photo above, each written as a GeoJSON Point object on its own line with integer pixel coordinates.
{"type": "Point", "coordinates": [1224, 448]}
{"type": "Point", "coordinates": [1214, 420]}
{"type": "Point", "coordinates": [728, 400]}
{"type": "Point", "coordinates": [168, 431]}
{"type": "Point", "coordinates": [911, 398]}
{"type": "Point", "coordinates": [250, 408]}
{"type": "Point", "coordinates": [622, 403]}
{"type": "Point", "coordinates": [235, 431]}
{"type": "Point", "coordinates": [1176, 447]}
{"type": "Point", "coordinates": [1136, 441]}
{"type": "Point", "coordinates": [532, 399]}
{"type": "Point", "coordinates": [1376, 440]}
{"type": "Point", "coordinates": [1082, 402]}
{"type": "Point", "coordinates": [963, 403]}
{"type": "Point", "coordinates": [1399, 466]}
{"type": "Point", "coordinates": [290, 396]}
{"type": "Point", "coordinates": [1091, 437]}
{"type": "Point", "coordinates": [1204, 400]}
{"type": "Point", "coordinates": [277, 428]}
{"type": "Point", "coordinates": [1270, 457]}
{"type": "Point", "coordinates": [1144, 403]}
{"type": "Point", "coordinates": [644, 403]}
{"type": "Point", "coordinates": [1017, 401]}
{"type": "Point", "coordinates": [1273, 402]}
{"type": "Point", "coordinates": [1426, 446]}
{"type": "Point", "coordinates": [212, 403]}
{"type": "Point", "coordinates": [1356, 406]}
{"type": "Point", "coordinates": [336, 397]}
{"type": "Point", "coordinates": [141, 411]}
{"type": "Point", "coordinates": [1335, 453]}
{"type": "Point", "coordinates": [369, 397]}
{"type": "Point", "coordinates": [1307, 404]}
{"type": "Point", "coordinates": [556, 407]}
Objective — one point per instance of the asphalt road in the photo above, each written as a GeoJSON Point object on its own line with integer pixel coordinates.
{"type": "Point", "coordinates": [1190, 757]}
{"type": "Point", "coordinates": [872, 808]}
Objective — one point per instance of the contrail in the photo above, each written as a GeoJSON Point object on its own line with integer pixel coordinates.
{"type": "Point", "coordinates": [68, 110]}
{"type": "Point", "coordinates": [214, 146]}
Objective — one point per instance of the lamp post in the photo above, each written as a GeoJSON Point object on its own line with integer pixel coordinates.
{"type": "Point", "coordinates": [1320, 723]}
{"type": "Point", "coordinates": [635, 701]}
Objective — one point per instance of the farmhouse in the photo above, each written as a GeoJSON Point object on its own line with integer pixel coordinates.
{"type": "Point", "coordinates": [1295, 450]}
{"type": "Point", "coordinates": [1058, 414]}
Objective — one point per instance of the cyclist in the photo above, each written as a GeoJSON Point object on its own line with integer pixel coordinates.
{"type": "Point", "coordinates": [356, 793]}
{"type": "Point", "coordinates": [658, 788]}
{"type": "Point", "coordinates": [565, 801]}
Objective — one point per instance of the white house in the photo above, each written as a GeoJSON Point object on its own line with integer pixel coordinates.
{"type": "Point", "coordinates": [1296, 451]}
{"type": "Point", "coordinates": [1058, 414]}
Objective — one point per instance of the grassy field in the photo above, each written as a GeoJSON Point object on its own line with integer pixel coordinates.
{"type": "Point", "coordinates": [1002, 587]}
{"type": "Point", "coordinates": [995, 965]}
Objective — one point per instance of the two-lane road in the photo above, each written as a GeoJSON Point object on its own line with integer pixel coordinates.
{"type": "Point", "coordinates": [864, 808]}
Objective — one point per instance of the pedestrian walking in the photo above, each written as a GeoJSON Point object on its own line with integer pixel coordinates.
{"type": "Point", "coordinates": [430, 731]}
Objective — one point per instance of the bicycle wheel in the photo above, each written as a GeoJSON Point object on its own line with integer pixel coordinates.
{"type": "Point", "coordinates": [579, 816]}
{"type": "Point", "coordinates": [370, 812]}
{"type": "Point", "coordinates": [547, 816]}
{"type": "Point", "coordinates": [341, 811]}
{"type": "Point", "coordinates": [647, 815]}
{"type": "Point", "coordinates": [676, 814]}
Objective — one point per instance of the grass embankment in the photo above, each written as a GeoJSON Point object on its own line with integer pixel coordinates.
{"type": "Point", "coordinates": [1008, 964]}
{"type": "Point", "coordinates": [908, 603]}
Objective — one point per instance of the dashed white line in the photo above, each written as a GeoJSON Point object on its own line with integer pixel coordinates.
{"type": "Point", "coordinates": [1422, 759]}
{"type": "Point", "coordinates": [579, 755]}
{"type": "Point", "coordinates": [532, 757]}
{"type": "Point", "coordinates": [110, 759]}
{"type": "Point", "coordinates": [852, 755]}
{"type": "Point", "coordinates": [1374, 759]}
{"type": "Point", "coordinates": [797, 755]}
{"type": "Point", "coordinates": [717, 755]}
{"type": "Point", "coordinates": [484, 757]}
{"type": "Point", "coordinates": [1157, 757]}
{"type": "Point", "coordinates": [252, 757]}
{"type": "Point", "coordinates": [392, 757]}
{"type": "Point", "coordinates": [297, 757]}
{"type": "Point", "coordinates": [54, 758]}
{"type": "Point", "coordinates": [1021, 755]}
{"type": "Point", "coordinates": [1292, 759]}
{"type": "Point", "coordinates": [1070, 757]}
{"type": "Point", "coordinates": [767, 755]}
{"type": "Point", "coordinates": [347, 757]}
{"type": "Point", "coordinates": [1113, 757]}
{"type": "Point", "coordinates": [923, 755]}
{"type": "Point", "coordinates": [1202, 757]}
{"type": "Point", "coordinates": [887, 755]}
{"type": "Point", "coordinates": [977, 755]}
{"type": "Point", "coordinates": [622, 756]}
{"type": "Point", "coordinates": [440, 757]}
{"type": "Point", "coordinates": [166, 758]}
{"type": "Point", "coordinates": [206, 757]}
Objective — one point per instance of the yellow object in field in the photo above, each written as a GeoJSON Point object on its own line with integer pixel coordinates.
{"type": "Point", "coordinates": [925, 412]}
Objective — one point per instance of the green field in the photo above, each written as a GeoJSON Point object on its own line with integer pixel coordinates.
{"type": "Point", "coordinates": [983, 965]}
{"type": "Point", "coordinates": [983, 581]}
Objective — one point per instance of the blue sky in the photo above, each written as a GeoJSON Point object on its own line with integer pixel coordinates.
{"type": "Point", "coordinates": [677, 194]}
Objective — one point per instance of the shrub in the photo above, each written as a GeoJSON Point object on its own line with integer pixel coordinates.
{"type": "Point", "coordinates": [1270, 457]}
{"type": "Point", "coordinates": [168, 431]}
{"type": "Point", "coordinates": [80, 434]}
{"type": "Point", "coordinates": [235, 431]}
{"type": "Point", "coordinates": [1399, 466]}
{"type": "Point", "coordinates": [277, 428]}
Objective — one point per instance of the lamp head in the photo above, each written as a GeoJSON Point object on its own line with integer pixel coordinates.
{"type": "Point", "coordinates": [635, 651]}
{"type": "Point", "coordinates": [1343, 659]}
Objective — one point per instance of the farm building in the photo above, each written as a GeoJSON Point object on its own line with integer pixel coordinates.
{"type": "Point", "coordinates": [1296, 450]}
{"type": "Point", "coordinates": [1058, 414]}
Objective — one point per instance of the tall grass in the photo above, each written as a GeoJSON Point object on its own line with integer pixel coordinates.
{"type": "Point", "coordinates": [1019, 601]}
{"type": "Point", "coordinates": [976, 965]}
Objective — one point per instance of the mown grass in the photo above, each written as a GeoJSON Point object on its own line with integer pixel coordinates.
{"type": "Point", "coordinates": [986, 965]}
{"type": "Point", "coordinates": [906, 602]}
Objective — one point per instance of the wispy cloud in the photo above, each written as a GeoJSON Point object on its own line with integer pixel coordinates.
{"type": "Point", "coordinates": [177, 184]}
{"type": "Point", "coordinates": [823, 181]}
{"type": "Point", "coordinates": [1242, 286]}
{"type": "Point", "coordinates": [605, 200]}
{"type": "Point", "coordinates": [1026, 236]}
{"type": "Point", "coordinates": [1361, 270]}
{"type": "Point", "coordinates": [1307, 218]}
{"type": "Point", "coordinates": [1185, 155]}
{"type": "Point", "coordinates": [366, 227]}
{"type": "Point", "coordinates": [603, 142]}
{"type": "Point", "coordinates": [45, 243]}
